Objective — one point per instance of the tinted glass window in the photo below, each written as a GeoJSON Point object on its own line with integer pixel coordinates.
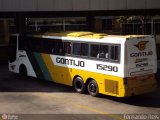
{"type": "Point", "coordinates": [84, 49]}
{"type": "Point", "coordinates": [94, 50]}
{"type": "Point", "coordinates": [59, 48]}
{"type": "Point", "coordinates": [27, 43]}
{"type": "Point", "coordinates": [115, 53]}
{"type": "Point", "coordinates": [47, 46]}
{"type": "Point", "coordinates": [67, 47]}
{"type": "Point", "coordinates": [103, 52]}
{"type": "Point", "coordinates": [51, 46]}
{"type": "Point", "coordinates": [24, 43]}
{"type": "Point", "coordinates": [37, 45]}
{"type": "Point", "coordinates": [76, 48]}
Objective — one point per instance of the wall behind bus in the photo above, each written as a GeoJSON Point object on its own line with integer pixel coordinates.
{"type": "Point", "coordinates": [76, 5]}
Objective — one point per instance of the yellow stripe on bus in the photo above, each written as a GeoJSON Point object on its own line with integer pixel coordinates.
{"type": "Point", "coordinates": [59, 74]}
{"type": "Point", "coordinates": [49, 64]}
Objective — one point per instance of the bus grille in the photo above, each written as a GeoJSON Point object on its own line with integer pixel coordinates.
{"type": "Point", "coordinates": [111, 86]}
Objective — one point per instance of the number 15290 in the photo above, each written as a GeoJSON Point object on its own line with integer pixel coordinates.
{"type": "Point", "coordinates": [107, 67]}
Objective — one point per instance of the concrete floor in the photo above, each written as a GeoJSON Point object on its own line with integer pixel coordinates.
{"type": "Point", "coordinates": [34, 99]}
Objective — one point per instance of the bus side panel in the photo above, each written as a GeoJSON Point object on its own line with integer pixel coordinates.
{"type": "Point", "coordinates": [57, 73]}
{"type": "Point", "coordinates": [65, 74]}
{"type": "Point", "coordinates": [108, 84]}
{"type": "Point", "coordinates": [64, 69]}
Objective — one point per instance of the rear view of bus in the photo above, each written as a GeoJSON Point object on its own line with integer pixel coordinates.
{"type": "Point", "coordinates": [141, 65]}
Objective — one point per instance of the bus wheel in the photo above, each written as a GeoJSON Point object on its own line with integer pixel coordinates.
{"type": "Point", "coordinates": [23, 71]}
{"type": "Point", "coordinates": [79, 85]}
{"type": "Point", "coordinates": [93, 88]}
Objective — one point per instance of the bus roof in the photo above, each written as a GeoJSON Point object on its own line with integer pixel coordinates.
{"type": "Point", "coordinates": [84, 34]}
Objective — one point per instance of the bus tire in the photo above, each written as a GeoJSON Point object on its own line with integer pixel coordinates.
{"type": "Point", "coordinates": [93, 89]}
{"type": "Point", "coordinates": [79, 85]}
{"type": "Point", "coordinates": [23, 71]}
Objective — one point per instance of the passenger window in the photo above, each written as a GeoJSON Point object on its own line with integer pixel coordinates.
{"type": "Point", "coordinates": [115, 53]}
{"type": "Point", "coordinates": [84, 49]}
{"type": "Point", "coordinates": [33, 44]}
{"type": "Point", "coordinates": [103, 52]}
{"type": "Point", "coordinates": [67, 47]}
{"type": "Point", "coordinates": [38, 44]}
{"type": "Point", "coordinates": [76, 49]}
{"type": "Point", "coordinates": [94, 50]}
{"type": "Point", "coordinates": [53, 47]}
{"type": "Point", "coordinates": [59, 48]}
{"type": "Point", "coordinates": [47, 46]}
{"type": "Point", "coordinates": [24, 43]}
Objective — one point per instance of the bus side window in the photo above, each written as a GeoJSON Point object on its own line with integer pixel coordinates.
{"type": "Point", "coordinates": [38, 45]}
{"type": "Point", "coordinates": [84, 49]}
{"type": "Point", "coordinates": [24, 43]}
{"type": "Point", "coordinates": [34, 44]}
{"type": "Point", "coordinates": [50, 46]}
{"type": "Point", "coordinates": [46, 46]}
{"type": "Point", "coordinates": [58, 48]}
{"type": "Point", "coordinates": [114, 53]}
{"type": "Point", "coordinates": [94, 50]}
{"type": "Point", "coordinates": [104, 52]}
{"type": "Point", "coordinates": [77, 49]}
{"type": "Point", "coordinates": [31, 44]}
{"type": "Point", "coordinates": [67, 47]}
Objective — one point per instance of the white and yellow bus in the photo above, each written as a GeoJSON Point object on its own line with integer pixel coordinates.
{"type": "Point", "coordinates": [98, 63]}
